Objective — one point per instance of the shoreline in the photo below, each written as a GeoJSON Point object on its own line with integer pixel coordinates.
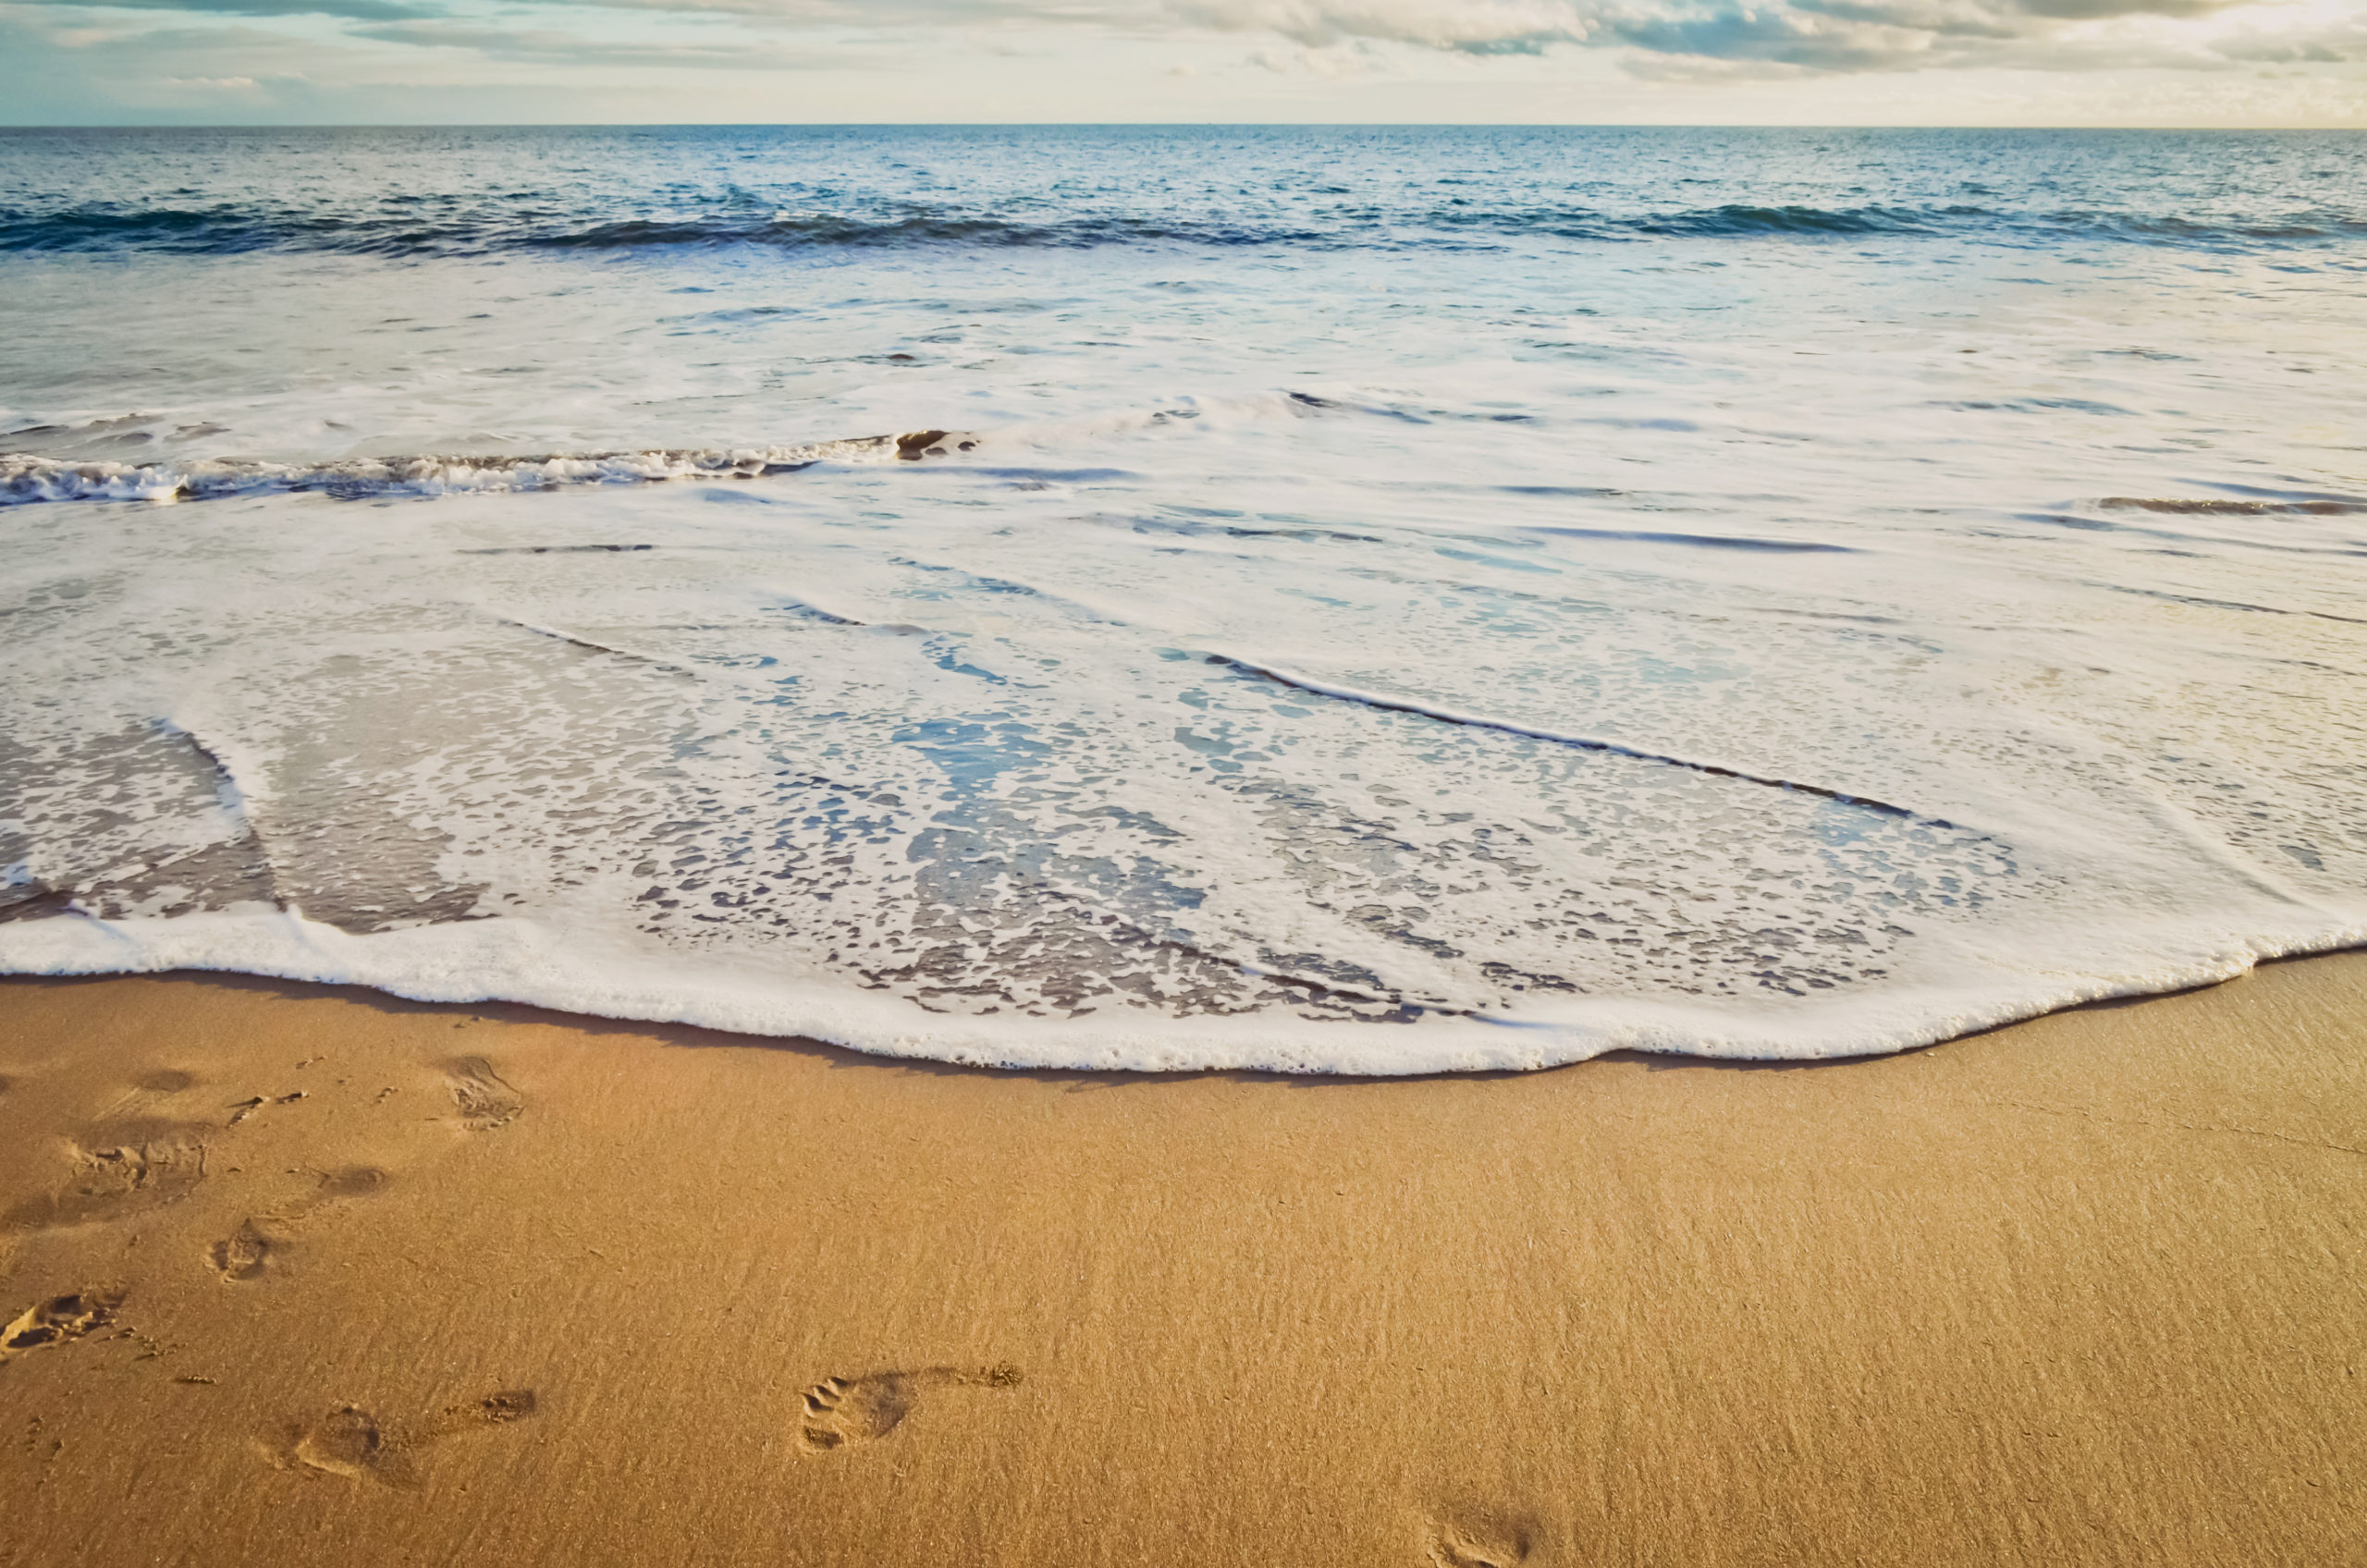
{"type": "Point", "coordinates": [424, 1281]}
{"type": "Point", "coordinates": [419, 964]}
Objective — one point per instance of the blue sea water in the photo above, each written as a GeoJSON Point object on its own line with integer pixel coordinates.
{"type": "Point", "coordinates": [1332, 599]}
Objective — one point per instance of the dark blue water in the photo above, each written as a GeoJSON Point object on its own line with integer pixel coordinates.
{"type": "Point", "coordinates": [433, 191]}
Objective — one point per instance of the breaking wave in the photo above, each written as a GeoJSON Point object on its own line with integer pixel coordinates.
{"type": "Point", "coordinates": [232, 228]}
{"type": "Point", "coordinates": [25, 478]}
{"type": "Point", "coordinates": [1407, 599]}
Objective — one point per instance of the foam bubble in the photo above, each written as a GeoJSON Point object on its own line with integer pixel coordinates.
{"type": "Point", "coordinates": [1312, 665]}
{"type": "Point", "coordinates": [25, 478]}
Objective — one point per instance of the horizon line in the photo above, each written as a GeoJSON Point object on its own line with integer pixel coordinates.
{"type": "Point", "coordinates": [1154, 125]}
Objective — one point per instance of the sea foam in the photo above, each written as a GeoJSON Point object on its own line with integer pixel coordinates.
{"type": "Point", "coordinates": [1780, 636]}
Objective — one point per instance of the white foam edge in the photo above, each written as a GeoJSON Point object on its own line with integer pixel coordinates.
{"type": "Point", "coordinates": [517, 960]}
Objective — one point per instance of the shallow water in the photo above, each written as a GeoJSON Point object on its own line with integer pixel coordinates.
{"type": "Point", "coordinates": [1347, 601]}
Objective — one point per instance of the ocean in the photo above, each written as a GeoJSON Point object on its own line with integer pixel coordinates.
{"type": "Point", "coordinates": [1343, 600]}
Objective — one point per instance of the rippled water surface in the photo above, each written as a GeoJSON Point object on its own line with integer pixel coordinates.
{"type": "Point", "coordinates": [1368, 601]}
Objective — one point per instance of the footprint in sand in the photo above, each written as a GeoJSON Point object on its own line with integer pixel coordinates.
{"type": "Point", "coordinates": [484, 1100]}
{"type": "Point", "coordinates": [347, 1441]}
{"type": "Point", "coordinates": [246, 1255]}
{"type": "Point", "coordinates": [158, 1169]}
{"type": "Point", "coordinates": [1475, 1543]}
{"type": "Point", "coordinates": [249, 1252]}
{"type": "Point", "coordinates": [347, 1182]}
{"type": "Point", "coordinates": [145, 1095]}
{"type": "Point", "coordinates": [58, 1319]}
{"type": "Point", "coordinates": [351, 1442]}
{"type": "Point", "coordinates": [843, 1412]}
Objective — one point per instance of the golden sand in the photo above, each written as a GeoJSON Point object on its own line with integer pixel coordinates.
{"type": "Point", "coordinates": [301, 1275]}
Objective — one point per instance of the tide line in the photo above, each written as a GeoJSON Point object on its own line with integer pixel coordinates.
{"type": "Point", "coordinates": [1560, 738]}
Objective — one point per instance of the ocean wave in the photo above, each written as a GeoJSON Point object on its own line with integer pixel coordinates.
{"type": "Point", "coordinates": [2220, 506]}
{"type": "Point", "coordinates": [231, 230]}
{"type": "Point", "coordinates": [26, 479]}
{"type": "Point", "coordinates": [1742, 222]}
{"type": "Point", "coordinates": [234, 229]}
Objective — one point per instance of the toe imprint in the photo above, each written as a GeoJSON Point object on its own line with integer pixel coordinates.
{"type": "Point", "coordinates": [58, 1319]}
{"type": "Point", "coordinates": [484, 1100]}
{"type": "Point", "coordinates": [855, 1410]}
{"type": "Point", "coordinates": [845, 1412]}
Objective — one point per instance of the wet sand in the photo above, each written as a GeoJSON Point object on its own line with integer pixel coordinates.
{"type": "Point", "coordinates": [301, 1275]}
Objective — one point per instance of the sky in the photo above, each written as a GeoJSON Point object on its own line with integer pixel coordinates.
{"type": "Point", "coordinates": [2263, 63]}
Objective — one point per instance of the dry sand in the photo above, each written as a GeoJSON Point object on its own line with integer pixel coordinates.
{"type": "Point", "coordinates": [312, 1276]}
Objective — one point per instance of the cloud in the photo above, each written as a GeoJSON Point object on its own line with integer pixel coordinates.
{"type": "Point", "coordinates": [1723, 38]}
{"type": "Point", "coordinates": [1701, 40]}
{"type": "Point", "coordinates": [551, 46]}
{"type": "Point", "coordinates": [1654, 36]}
{"type": "Point", "coordinates": [1470, 27]}
{"type": "Point", "coordinates": [355, 10]}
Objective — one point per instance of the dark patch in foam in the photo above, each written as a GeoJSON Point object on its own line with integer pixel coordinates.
{"type": "Point", "coordinates": [215, 874]}
{"type": "Point", "coordinates": [919, 444]}
{"type": "Point", "coordinates": [2102, 525]}
{"type": "Point", "coordinates": [1054, 475]}
{"type": "Point", "coordinates": [557, 549]}
{"type": "Point", "coordinates": [2037, 406]}
{"type": "Point", "coordinates": [589, 646]}
{"type": "Point", "coordinates": [291, 871]}
{"type": "Point", "coordinates": [2227, 604]}
{"type": "Point", "coordinates": [1310, 400]}
{"type": "Point", "coordinates": [1194, 527]}
{"type": "Point", "coordinates": [1706, 541]}
{"type": "Point", "coordinates": [36, 900]}
{"type": "Point", "coordinates": [1580, 743]}
{"type": "Point", "coordinates": [28, 478]}
{"type": "Point", "coordinates": [2186, 507]}
{"type": "Point", "coordinates": [804, 611]}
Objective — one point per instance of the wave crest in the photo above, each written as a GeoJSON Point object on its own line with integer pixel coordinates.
{"type": "Point", "coordinates": [230, 229]}
{"type": "Point", "coordinates": [26, 479]}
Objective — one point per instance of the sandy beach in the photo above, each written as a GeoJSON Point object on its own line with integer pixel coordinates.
{"type": "Point", "coordinates": [299, 1275]}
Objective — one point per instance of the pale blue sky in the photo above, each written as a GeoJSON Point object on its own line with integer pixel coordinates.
{"type": "Point", "coordinates": [1834, 62]}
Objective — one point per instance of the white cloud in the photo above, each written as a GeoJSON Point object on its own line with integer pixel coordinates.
{"type": "Point", "coordinates": [1791, 36]}
{"type": "Point", "coordinates": [1468, 26]}
{"type": "Point", "coordinates": [1731, 61]}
